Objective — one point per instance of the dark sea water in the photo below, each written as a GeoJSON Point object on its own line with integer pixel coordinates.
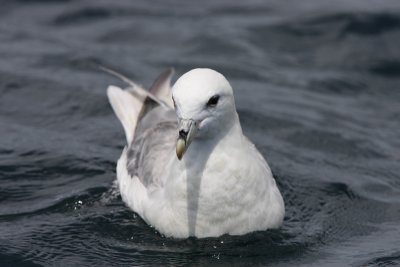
{"type": "Point", "coordinates": [317, 86]}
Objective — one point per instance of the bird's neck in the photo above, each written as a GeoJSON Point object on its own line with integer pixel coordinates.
{"type": "Point", "coordinates": [230, 134]}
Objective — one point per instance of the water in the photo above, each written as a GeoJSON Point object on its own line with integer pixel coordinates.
{"type": "Point", "coordinates": [317, 90]}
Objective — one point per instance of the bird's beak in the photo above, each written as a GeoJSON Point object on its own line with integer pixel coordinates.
{"type": "Point", "coordinates": [187, 131]}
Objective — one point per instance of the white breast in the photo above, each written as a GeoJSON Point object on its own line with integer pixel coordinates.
{"type": "Point", "coordinates": [226, 194]}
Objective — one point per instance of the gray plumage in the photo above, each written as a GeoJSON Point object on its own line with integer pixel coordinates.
{"type": "Point", "coordinates": [155, 137]}
{"type": "Point", "coordinates": [153, 145]}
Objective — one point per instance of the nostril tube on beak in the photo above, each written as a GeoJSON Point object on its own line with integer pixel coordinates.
{"type": "Point", "coordinates": [187, 131]}
{"type": "Point", "coordinates": [183, 134]}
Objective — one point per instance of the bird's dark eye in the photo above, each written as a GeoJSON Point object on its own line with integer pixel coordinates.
{"type": "Point", "coordinates": [213, 101]}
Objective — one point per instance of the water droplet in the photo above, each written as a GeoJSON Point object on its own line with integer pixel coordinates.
{"type": "Point", "coordinates": [216, 256]}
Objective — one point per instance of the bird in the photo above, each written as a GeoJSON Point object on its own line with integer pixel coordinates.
{"type": "Point", "coordinates": [187, 168]}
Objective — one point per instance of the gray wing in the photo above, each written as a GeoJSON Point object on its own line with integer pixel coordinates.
{"type": "Point", "coordinates": [153, 145]}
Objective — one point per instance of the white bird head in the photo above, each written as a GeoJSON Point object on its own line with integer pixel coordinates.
{"type": "Point", "coordinates": [205, 106]}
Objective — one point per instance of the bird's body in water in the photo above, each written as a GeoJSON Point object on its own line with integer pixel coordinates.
{"type": "Point", "coordinates": [188, 170]}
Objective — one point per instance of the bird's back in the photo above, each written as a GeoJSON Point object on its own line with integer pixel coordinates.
{"type": "Point", "coordinates": [150, 125]}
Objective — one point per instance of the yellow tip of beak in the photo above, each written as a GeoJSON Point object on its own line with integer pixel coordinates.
{"type": "Point", "coordinates": [180, 147]}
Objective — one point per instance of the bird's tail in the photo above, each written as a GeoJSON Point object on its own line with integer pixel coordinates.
{"type": "Point", "coordinates": [128, 104]}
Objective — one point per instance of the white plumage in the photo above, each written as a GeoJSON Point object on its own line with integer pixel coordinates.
{"type": "Point", "coordinates": [222, 185]}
